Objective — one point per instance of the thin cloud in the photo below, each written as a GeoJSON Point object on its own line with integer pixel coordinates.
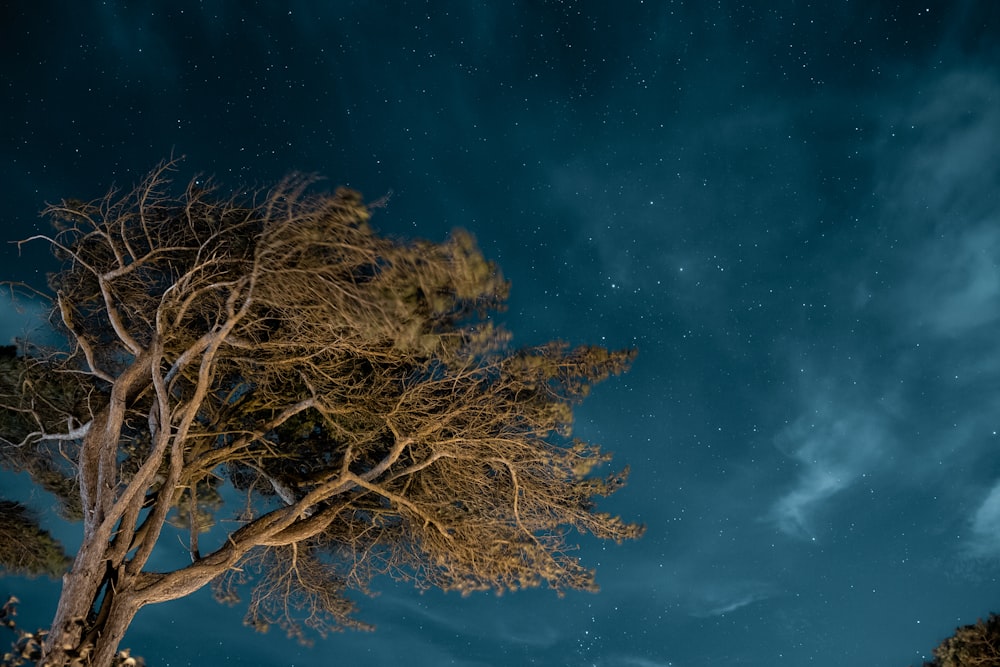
{"type": "Point", "coordinates": [985, 525]}
{"type": "Point", "coordinates": [939, 173]}
{"type": "Point", "coordinates": [725, 600]}
{"type": "Point", "coordinates": [792, 511]}
{"type": "Point", "coordinates": [692, 585]}
{"type": "Point", "coordinates": [956, 290]}
{"type": "Point", "coordinates": [635, 661]}
{"type": "Point", "coordinates": [943, 158]}
{"type": "Point", "coordinates": [834, 445]}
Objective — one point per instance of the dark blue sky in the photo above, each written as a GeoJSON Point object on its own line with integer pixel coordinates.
{"type": "Point", "coordinates": [791, 208]}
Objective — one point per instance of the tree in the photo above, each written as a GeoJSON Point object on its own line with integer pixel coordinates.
{"type": "Point", "coordinates": [353, 388]}
{"type": "Point", "coordinates": [976, 645]}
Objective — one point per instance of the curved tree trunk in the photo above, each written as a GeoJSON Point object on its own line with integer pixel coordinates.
{"type": "Point", "coordinates": [101, 596]}
{"type": "Point", "coordinates": [82, 587]}
{"type": "Point", "coordinates": [98, 646]}
{"type": "Point", "coordinates": [105, 645]}
{"type": "Point", "coordinates": [95, 598]}
{"type": "Point", "coordinates": [82, 632]}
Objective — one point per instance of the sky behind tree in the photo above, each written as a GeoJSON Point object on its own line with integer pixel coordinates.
{"type": "Point", "coordinates": [791, 209]}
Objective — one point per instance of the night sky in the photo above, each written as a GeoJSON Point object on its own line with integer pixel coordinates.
{"type": "Point", "coordinates": [790, 208]}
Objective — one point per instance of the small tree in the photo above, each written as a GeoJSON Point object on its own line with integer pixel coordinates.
{"type": "Point", "coordinates": [353, 388]}
{"type": "Point", "coordinates": [976, 645]}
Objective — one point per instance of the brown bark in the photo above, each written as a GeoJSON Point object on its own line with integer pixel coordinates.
{"type": "Point", "coordinates": [80, 633]}
{"type": "Point", "coordinates": [94, 569]}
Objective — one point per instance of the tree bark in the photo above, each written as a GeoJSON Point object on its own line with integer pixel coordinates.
{"type": "Point", "coordinates": [105, 645]}
{"type": "Point", "coordinates": [82, 586]}
{"type": "Point", "coordinates": [98, 566]}
{"type": "Point", "coordinates": [95, 608]}
{"type": "Point", "coordinates": [81, 634]}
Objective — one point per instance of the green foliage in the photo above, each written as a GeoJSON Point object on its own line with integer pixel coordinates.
{"type": "Point", "coordinates": [26, 549]}
{"type": "Point", "coordinates": [36, 398]}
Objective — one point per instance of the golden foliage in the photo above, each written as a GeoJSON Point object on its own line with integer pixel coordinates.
{"type": "Point", "coordinates": [356, 389]}
{"type": "Point", "coordinates": [976, 645]}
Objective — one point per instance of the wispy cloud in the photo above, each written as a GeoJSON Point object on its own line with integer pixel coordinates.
{"type": "Point", "coordinates": [940, 157]}
{"type": "Point", "coordinates": [834, 444]}
{"type": "Point", "coordinates": [957, 289]}
{"type": "Point", "coordinates": [938, 173]}
{"type": "Point", "coordinates": [952, 292]}
{"type": "Point", "coordinates": [477, 618]}
{"type": "Point", "coordinates": [985, 524]}
{"type": "Point", "coordinates": [635, 661]}
{"type": "Point", "coordinates": [727, 598]}
{"type": "Point", "coordinates": [697, 583]}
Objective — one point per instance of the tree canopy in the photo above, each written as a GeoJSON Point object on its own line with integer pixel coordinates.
{"type": "Point", "coordinates": [354, 390]}
{"type": "Point", "coordinates": [975, 645]}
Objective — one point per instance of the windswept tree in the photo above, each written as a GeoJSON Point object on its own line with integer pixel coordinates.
{"type": "Point", "coordinates": [351, 388]}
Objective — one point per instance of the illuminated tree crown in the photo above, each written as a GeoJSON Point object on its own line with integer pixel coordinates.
{"type": "Point", "coordinates": [352, 388]}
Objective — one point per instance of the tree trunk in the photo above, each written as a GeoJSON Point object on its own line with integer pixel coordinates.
{"type": "Point", "coordinates": [82, 633]}
{"type": "Point", "coordinates": [97, 603]}
{"type": "Point", "coordinates": [112, 630]}
{"type": "Point", "coordinates": [82, 586]}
